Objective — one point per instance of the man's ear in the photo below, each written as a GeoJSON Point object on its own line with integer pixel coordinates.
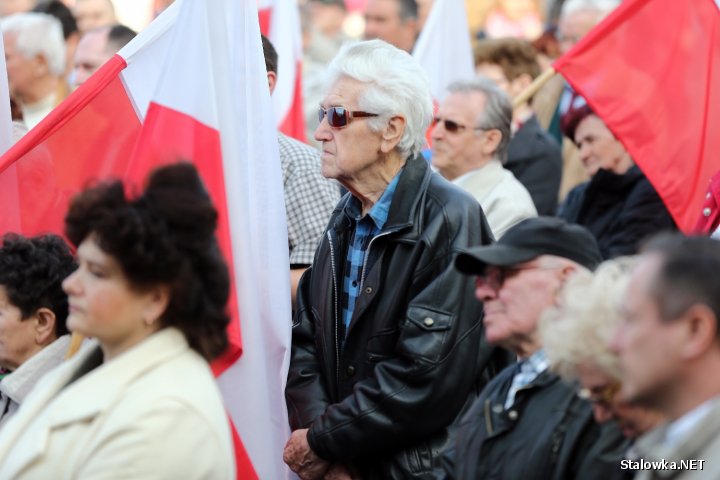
{"type": "Point", "coordinates": [272, 81]}
{"type": "Point", "coordinates": [701, 330]}
{"type": "Point", "coordinates": [44, 320]}
{"type": "Point", "coordinates": [392, 134]}
{"type": "Point", "coordinates": [492, 140]}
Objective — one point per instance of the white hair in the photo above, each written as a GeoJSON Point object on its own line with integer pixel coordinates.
{"type": "Point", "coordinates": [602, 7]}
{"type": "Point", "coordinates": [396, 85]}
{"type": "Point", "coordinates": [578, 331]}
{"type": "Point", "coordinates": [38, 34]}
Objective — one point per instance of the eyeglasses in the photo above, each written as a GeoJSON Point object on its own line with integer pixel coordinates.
{"type": "Point", "coordinates": [452, 126]}
{"type": "Point", "coordinates": [340, 117]}
{"type": "Point", "coordinates": [495, 276]}
{"type": "Point", "coordinates": [602, 396]}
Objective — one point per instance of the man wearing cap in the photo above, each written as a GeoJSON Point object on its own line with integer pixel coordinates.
{"type": "Point", "coordinates": [527, 423]}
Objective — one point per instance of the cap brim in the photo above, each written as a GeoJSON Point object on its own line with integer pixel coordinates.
{"type": "Point", "coordinates": [475, 260]}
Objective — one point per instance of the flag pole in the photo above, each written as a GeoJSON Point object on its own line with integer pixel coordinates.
{"type": "Point", "coordinates": [533, 88]}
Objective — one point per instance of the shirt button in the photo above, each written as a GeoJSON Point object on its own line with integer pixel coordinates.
{"type": "Point", "coordinates": [429, 322]}
{"type": "Point", "coordinates": [368, 290]}
{"type": "Point", "coordinates": [708, 195]}
{"type": "Point", "coordinates": [707, 211]}
{"type": "Point", "coordinates": [350, 371]}
{"type": "Point", "coordinates": [354, 283]}
{"type": "Point", "coordinates": [497, 408]}
{"type": "Point", "coordinates": [512, 415]}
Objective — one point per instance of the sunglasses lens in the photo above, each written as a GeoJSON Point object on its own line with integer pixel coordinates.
{"type": "Point", "coordinates": [337, 117]}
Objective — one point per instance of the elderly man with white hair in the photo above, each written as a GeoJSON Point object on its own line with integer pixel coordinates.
{"type": "Point", "coordinates": [35, 57]}
{"type": "Point", "coordinates": [387, 339]}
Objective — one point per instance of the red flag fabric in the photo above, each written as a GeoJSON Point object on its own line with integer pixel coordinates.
{"type": "Point", "coordinates": [191, 86]}
{"type": "Point", "coordinates": [651, 71]}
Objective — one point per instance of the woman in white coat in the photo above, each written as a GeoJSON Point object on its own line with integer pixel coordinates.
{"type": "Point", "coordinates": [139, 400]}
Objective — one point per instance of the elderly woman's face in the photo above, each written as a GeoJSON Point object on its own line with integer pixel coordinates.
{"type": "Point", "coordinates": [353, 150]}
{"type": "Point", "coordinates": [599, 148]}
{"type": "Point", "coordinates": [601, 390]}
{"type": "Point", "coordinates": [17, 336]}
{"type": "Point", "coordinates": [103, 303]}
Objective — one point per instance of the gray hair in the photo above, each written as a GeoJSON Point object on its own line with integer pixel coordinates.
{"type": "Point", "coordinates": [579, 330]}
{"type": "Point", "coordinates": [396, 85]}
{"type": "Point", "coordinates": [602, 7]}
{"type": "Point", "coordinates": [38, 34]}
{"type": "Point", "coordinates": [497, 113]}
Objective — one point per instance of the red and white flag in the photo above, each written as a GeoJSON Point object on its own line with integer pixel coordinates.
{"type": "Point", "coordinates": [651, 71]}
{"type": "Point", "coordinates": [280, 23]}
{"type": "Point", "coordinates": [191, 86]}
{"type": "Point", "coordinates": [443, 48]}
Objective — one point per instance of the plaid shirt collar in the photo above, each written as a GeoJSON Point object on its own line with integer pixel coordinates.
{"type": "Point", "coordinates": [379, 212]}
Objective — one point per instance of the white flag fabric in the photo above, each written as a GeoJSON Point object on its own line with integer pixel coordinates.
{"type": "Point", "coordinates": [443, 48]}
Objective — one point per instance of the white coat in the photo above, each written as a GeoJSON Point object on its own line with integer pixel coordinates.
{"type": "Point", "coordinates": [153, 412]}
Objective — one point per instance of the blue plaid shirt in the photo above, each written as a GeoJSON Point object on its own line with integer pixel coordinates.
{"type": "Point", "coordinates": [528, 370]}
{"type": "Point", "coordinates": [365, 229]}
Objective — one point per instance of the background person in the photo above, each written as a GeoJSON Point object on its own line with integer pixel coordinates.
{"type": "Point", "coordinates": [618, 204]}
{"type": "Point", "coordinates": [35, 57]}
{"type": "Point", "coordinates": [669, 349]}
{"type": "Point", "coordinates": [33, 309]}
{"type": "Point", "coordinates": [394, 21]}
{"type": "Point", "coordinates": [139, 400]}
{"type": "Point", "coordinates": [97, 47]}
{"type": "Point", "coordinates": [527, 423]}
{"type": "Point", "coordinates": [470, 137]}
{"type": "Point", "coordinates": [533, 156]}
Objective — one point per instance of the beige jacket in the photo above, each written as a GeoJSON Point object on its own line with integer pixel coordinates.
{"type": "Point", "coordinates": [504, 200]}
{"type": "Point", "coordinates": [154, 412]}
{"type": "Point", "coordinates": [700, 443]}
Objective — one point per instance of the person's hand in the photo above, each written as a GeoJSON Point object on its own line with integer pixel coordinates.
{"type": "Point", "coordinates": [338, 471]}
{"type": "Point", "coordinates": [301, 459]}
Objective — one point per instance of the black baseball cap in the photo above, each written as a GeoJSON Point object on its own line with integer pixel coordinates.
{"type": "Point", "coordinates": [530, 239]}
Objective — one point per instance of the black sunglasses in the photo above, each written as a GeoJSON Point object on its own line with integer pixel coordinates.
{"type": "Point", "coordinates": [451, 126]}
{"type": "Point", "coordinates": [340, 117]}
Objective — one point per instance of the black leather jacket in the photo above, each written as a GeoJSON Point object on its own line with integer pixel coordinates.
{"type": "Point", "coordinates": [382, 401]}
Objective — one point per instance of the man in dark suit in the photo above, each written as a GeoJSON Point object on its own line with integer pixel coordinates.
{"type": "Point", "coordinates": [534, 157]}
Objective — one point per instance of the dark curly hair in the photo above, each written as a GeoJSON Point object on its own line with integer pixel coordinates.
{"type": "Point", "coordinates": [164, 237]}
{"type": "Point", "coordinates": [32, 271]}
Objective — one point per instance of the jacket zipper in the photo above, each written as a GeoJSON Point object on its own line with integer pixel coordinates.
{"type": "Point", "coordinates": [367, 255]}
{"type": "Point", "coordinates": [337, 325]}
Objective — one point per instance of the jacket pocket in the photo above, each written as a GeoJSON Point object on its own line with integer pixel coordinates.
{"type": "Point", "coordinates": [381, 345]}
{"type": "Point", "coordinates": [425, 333]}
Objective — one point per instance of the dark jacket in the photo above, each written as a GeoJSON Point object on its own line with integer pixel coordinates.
{"type": "Point", "coordinates": [620, 210]}
{"type": "Point", "coordinates": [534, 157]}
{"type": "Point", "coordinates": [383, 400]}
{"type": "Point", "coordinates": [548, 434]}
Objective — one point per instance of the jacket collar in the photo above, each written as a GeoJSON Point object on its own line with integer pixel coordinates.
{"type": "Point", "coordinates": [18, 384]}
{"type": "Point", "coordinates": [408, 193]}
{"type": "Point", "coordinates": [410, 189]}
{"type": "Point", "coordinates": [481, 181]}
{"type": "Point", "coordinates": [84, 398]}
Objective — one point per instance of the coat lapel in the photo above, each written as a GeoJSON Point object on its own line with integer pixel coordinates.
{"type": "Point", "coordinates": [53, 405]}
